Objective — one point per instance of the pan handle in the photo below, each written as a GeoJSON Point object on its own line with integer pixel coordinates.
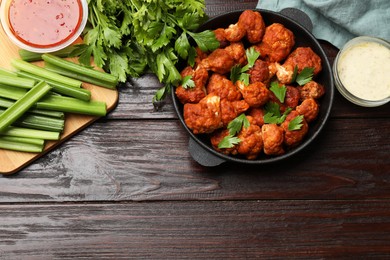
{"type": "Point", "coordinates": [299, 16]}
{"type": "Point", "coordinates": [203, 157]}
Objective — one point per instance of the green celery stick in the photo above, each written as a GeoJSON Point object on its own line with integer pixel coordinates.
{"type": "Point", "coordinates": [23, 140]}
{"type": "Point", "coordinates": [32, 56]}
{"type": "Point", "coordinates": [80, 70]}
{"type": "Point", "coordinates": [80, 93]}
{"type": "Point", "coordinates": [33, 69]}
{"type": "Point", "coordinates": [16, 81]}
{"type": "Point", "coordinates": [20, 146]}
{"type": "Point", "coordinates": [15, 111]}
{"type": "Point", "coordinates": [13, 93]}
{"type": "Point", "coordinates": [5, 103]}
{"type": "Point", "coordinates": [72, 105]}
{"type": "Point", "coordinates": [31, 133]}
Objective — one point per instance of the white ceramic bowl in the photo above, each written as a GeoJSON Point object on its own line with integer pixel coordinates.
{"type": "Point", "coordinates": [4, 16]}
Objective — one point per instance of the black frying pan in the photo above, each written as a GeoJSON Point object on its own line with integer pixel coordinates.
{"type": "Point", "coordinates": [199, 145]}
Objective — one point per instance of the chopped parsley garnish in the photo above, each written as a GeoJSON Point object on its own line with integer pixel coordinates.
{"type": "Point", "coordinates": [296, 123]}
{"type": "Point", "coordinates": [305, 76]}
{"type": "Point", "coordinates": [279, 91]}
{"type": "Point", "coordinates": [273, 115]}
{"type": "Point", "coordinates": [238, 73]}
{"type": "Point", "coordinates": [187, 82]}
{"type": "Point", "coordinates": [234, 127]}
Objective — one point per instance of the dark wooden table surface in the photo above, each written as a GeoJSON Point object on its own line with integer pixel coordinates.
{"type": "Point", "coordinates": [127, 187]}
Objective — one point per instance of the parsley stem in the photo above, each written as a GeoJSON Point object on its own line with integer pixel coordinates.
{"type": "Point", "coordinates": [87, 73]}
{"type": "Point", "coordinates": [33, 69]}
{"type": "Point", "coordinates": [17, 109]}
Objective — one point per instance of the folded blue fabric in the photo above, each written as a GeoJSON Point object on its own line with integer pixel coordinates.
{"type": "Point", "coordinates": [338, 21]}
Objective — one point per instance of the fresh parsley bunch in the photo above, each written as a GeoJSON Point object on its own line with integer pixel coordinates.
{"type": "Point", "coordinates": [132, 37]}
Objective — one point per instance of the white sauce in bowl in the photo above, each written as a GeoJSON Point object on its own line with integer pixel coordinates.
{"type": "Point", "coordinates": [364, 70]}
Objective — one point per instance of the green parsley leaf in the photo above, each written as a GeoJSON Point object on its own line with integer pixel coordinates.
{"type": "Point", "coordinates": [295, 73]}
{"type": "Point", "coordinates": [273, 115]}
{"type": "Point", "coordinates": [305, 76]}
{"type": "Point", "coordinates": [234, 127]}
{"type": "Point", "coordinates": [237, 123]}
{"type": "Point", "coordinates": [235, 73]}
{"type": "Point", "coordinates": [296, 123]}
{"type": "Point", "coordinates": [252, 55]}
{"type": "Point", "coordinates": [187, 82]}
{"type": "Point", "coordinates": [206, 40]}
{"type": "Point", "coordinates": [132, 38]}
{"type": "Point", "coordinates": [279, 91]}
{"type": "Point", "coordinates": [244, 78]}
{"type": "Point", "coordinates": [182, 46]}
{"type": "Point", "coordinates": [228, 141]}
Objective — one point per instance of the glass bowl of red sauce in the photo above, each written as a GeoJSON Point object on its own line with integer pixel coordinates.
{"type": "Point", "coordinates": [43, 25]}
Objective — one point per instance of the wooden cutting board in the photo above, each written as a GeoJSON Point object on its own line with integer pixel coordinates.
{"type": "Point", "coordinates": [11, 161]}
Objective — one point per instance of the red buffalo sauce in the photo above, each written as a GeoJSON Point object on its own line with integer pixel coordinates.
{"type": "Point", "coordinates": [44, 23]}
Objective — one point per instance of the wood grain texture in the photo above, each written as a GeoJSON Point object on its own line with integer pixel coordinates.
{"type": "Point", "coordinates": [127, 188]}
{"type": "Point", "coordinates": [292, 229]}
{"type": "Point", "coordinates": [149, 160]}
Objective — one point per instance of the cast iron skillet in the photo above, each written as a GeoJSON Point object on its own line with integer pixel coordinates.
{"type": "Point", "coordinates": [199, 145]}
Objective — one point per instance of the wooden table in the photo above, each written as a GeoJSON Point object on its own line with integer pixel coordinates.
{"type": "Point", "coordinates": [127, 187]}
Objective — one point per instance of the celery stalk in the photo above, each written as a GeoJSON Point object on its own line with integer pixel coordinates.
{"type": "Point", "coordinates": [23, 140]}
{"type": "Point", "coordinates": [72, 105]}
{"type": "Point", "coordinates": [16, 81]}
{"type": "Point", "coordinates": [33, 69]}
{"type": "Point", "coordinates": [15, 111]}
{"type": "Point", "coordinates": [80, 70]}
{"type": "Point", "coordinates": [13, 93]}
{"type": "Point", "coordinates": [5, 103]}
{"type": "Point", "coordinates": [80, 93]}
{"type": "Point", "coordinates": [32, 56]}
{"type": "Point", "coordinates": [20, 146]}
{"type": "Point", "coordinates": [31, 133]}
{"type": "Point", "coordinates": [75, 75]}
{"type": "Point", "coordinates": [39, 122]}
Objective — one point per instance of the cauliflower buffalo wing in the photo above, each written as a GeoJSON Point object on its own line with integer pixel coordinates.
{"type": "Point", "coordinates": [273, 137]}
{"type": "Point", "coordinates": [219, 61]}
{"type": "Point", "coordinates": [223, 87]}
{"type": "Point", "coordinates": [309, 109]}
{"type": "Point", "coordinates": [277, 43]}
{"type": "Point", "coordinates": [205, 116]}
{"type": "Point", "coordinates": [311, 89]}
{"type": "Point", "coordinates": [232, 109]}
{"type": "Point", "coordinates": [301, 57]}
{"type": "Point", "coordinates": [250, 25]}
{"type": "Point", "coordinates": [253, 24]}
{"type": "Point", "coordinates": [259, 72]}
{"type": "Point", "coordinates": [294, 137]}
{"type": "Point", "coordinates": [251, 141]}
{"type": "Point", "coordinates": [255, 94]}
{"type": "Point", "coordinates": [195, 94]}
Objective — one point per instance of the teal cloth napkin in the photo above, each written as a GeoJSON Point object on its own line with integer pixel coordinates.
{"type": "Point", "coordinates": [338, 21]}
